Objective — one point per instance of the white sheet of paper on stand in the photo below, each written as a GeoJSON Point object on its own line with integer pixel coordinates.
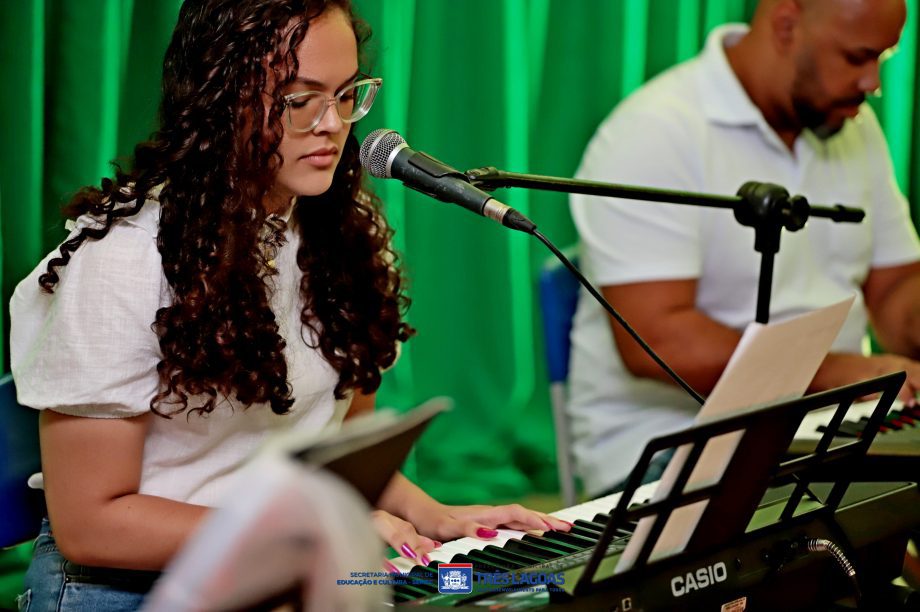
{"type": "Point", "coordinates": [772, 363]}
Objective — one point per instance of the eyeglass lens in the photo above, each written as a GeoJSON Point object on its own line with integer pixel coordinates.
{"type": "Point", "coordinates": [352, 103]}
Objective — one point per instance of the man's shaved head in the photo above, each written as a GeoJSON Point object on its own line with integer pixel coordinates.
{"type": "Point", "coordinates": [830, 51]}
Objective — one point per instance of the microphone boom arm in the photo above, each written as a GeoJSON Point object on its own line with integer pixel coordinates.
{"type": "Point", "coordinates": [766, 207]}
{"type": "Point", "coordinates": [489, 178]}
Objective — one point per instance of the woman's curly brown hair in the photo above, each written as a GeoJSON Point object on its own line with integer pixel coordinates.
{"type": "Point", "coordinates": [219, 336]}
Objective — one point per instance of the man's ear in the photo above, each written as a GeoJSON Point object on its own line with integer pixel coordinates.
{"type": "Point", "coordinates": [785, 21]}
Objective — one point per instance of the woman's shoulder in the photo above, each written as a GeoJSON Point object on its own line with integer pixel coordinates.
{"type": "Point", "coordinates": [130, 240]}
{"type": "Point", "coordinates": [92, 335]}
{"type": "Point", "coordinates": [146, 220]}
{"type": "Point", "coordinates": [125, 259]}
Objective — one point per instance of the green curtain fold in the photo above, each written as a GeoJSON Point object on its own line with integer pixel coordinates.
{"type": "Point", "coordinates": [516, 84]}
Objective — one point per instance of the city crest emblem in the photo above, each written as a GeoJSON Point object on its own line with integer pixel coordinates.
{"type": "Point", "coordinates": [456, 578]}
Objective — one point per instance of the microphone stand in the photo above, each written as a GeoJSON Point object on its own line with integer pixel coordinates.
{"type": "Point", "coordinates": [766, 207]}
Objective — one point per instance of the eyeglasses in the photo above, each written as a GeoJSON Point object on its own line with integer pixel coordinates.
{"type": "Point", "coordinates": [305, 109]}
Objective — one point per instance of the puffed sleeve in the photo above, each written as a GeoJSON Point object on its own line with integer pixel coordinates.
{"type": "Point", "coordinates": [88, 348]}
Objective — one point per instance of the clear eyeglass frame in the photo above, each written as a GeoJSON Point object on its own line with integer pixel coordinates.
{"type": "Point", "coordinates": [358, 112]}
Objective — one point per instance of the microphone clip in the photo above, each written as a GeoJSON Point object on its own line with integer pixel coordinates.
{"type": "Point", "coordinates": [487, 178]}
{"type": "Point", "coordinates": [435, 167]}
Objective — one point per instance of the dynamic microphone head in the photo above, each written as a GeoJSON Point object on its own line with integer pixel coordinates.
{"type": "Point", "coordinates": [377, 150]}
{"type": "Point", "coordinates": [380, 153]}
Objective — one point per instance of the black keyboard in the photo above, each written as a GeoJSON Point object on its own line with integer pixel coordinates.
{"type": "Point", "coordinates": [873, 518]}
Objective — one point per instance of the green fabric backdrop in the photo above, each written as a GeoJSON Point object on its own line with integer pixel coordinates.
{"type": "Point", "coordinates": [518, 84]}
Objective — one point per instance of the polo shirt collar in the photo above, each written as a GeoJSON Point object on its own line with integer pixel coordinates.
{"type": "Point", "coordinates": [724, 99]}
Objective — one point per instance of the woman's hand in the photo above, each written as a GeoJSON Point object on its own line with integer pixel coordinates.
{"type": "Point", "coordinates": [403, 538]}
{"type": "Point", "coordinates": [445, 522]}
{"type": "Point", "coordinates": [433, 521]}
{"type": "Point", "coordinates": [479, 521]}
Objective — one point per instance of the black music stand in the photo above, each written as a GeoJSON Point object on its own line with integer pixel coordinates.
{"type": "Point", "coordinates": [756, 465]}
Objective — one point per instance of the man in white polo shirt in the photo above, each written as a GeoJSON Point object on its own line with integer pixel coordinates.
{"type": "Point", "coordinates": [776, 102]}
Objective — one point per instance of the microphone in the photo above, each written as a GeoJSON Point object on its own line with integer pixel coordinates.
{"type": "Point", "coordinates": [385, 154]}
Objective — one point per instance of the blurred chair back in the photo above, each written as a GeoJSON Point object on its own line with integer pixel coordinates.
{"type": "Point", "coordinates": [558, 293]}
{"type": "Point", "coordinates": [21, 508]}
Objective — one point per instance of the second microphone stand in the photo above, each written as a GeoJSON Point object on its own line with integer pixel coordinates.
{"type": "Point", "coordinates": [766, 207]}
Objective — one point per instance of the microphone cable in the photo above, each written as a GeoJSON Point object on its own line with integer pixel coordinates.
{"type": "Point", "coordinates": [385, 154]}
{"type": "Point", "coordinates": [618, 317]}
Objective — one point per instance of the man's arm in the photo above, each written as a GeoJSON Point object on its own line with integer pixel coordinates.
{"type": "Point", "coordinates": [664, 313]}
{"type": "Point", "coordinates": [698, 348]}
{"type": "Point", "coordinates": [893, 298]}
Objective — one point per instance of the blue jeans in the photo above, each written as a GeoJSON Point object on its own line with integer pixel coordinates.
{"type": "Point", "coordinates": [55, 584]}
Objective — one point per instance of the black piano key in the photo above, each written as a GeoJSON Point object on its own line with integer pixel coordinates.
{"type": "Point", "coordinates": [478, 566]}
{"type": "Point", "coordinates": [883, 428]}
{"type": "Point", "coordinates": [585, 532]}
{"type": "Point", "coordinates": [423, 572]}
{"type": "Point", "coordinates": [503, 565]}
{"type": "Point", "coordinates": [904, 417]}
{"type": "Point", "coordinates": [570, 538]}
{"type": "Point", "coordinates": [598, 527]}
{"type": "Point", "coordinates": [525, 559]}
{"type": "Point", "coordinates": [865, 421]}
{"type": "Point", "coordinates": [587, 524]}
{"type": "Point", "coordinates": [603, 519]}
{"type": "Point", "coordinates": [563, 547]}
{"type": "Point", "coordinates": [847, 429]}
{"type": "Point", "coordinates": [544, 552]}
{"type": "Point", "coordinates": [890, 422]}
{"type": "Point", "coordinates": [512, 563]}
{"type": "Point", "coordinates": [402, 597]}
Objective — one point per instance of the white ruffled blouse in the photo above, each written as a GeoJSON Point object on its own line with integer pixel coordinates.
{"type": "Point", "coordinates": [88, 350]}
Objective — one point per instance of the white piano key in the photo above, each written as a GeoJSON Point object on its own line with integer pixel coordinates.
{"type": "Point", "coordinates": [503, 536]}
{"type": "Point", "coordinates": [587, 509]}
{"type": "Point", "coordinates": [443, 555]}
{"type": "Point", "coordinates": [402, 564]}
{"type": "Point", "coordinates": [450, 549]}
{"type": "Point", "coordinates": [808, 430]}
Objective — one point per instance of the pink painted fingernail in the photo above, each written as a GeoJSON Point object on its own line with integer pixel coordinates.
{"type": "Point", "coordinates": [425, 560]}
{"type": "Point", "coordinates": [482, 532]}
{"type": "Point", "coordinates": [408, 551]}
{"type": "Point", "coordinates": [390, 568]}
{"type": "Point", "coordinates": [437, 544]}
